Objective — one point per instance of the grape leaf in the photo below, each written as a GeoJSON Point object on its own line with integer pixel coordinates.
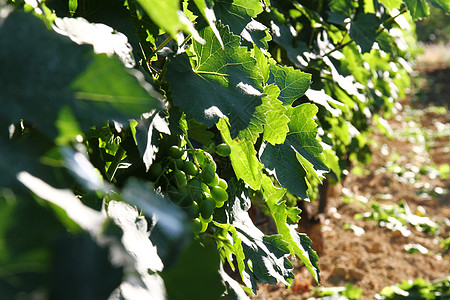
{"type": "Point", "coordinates": [344, 7]}
{"type": "Point", "coordinates": [147, 131]}
{"type": "Point", "coordinates": [222, 83]}
{"type": "Point", "coordinates": [418, 8]}
{"type": "Point", "coordinates": [93, 88]}
{"type": "Point", "coordinates": [265, 256]}
{"type": "Point", "coordinates": [363, 30]}
{"type": "Point", "coordinates": [103, 38]}
{"type": "Point", "coordinates": [208, 13]}
{"type": "Point", "coordinates": [291, 170]}
{"type": "Point", "coordinates": [292, 83]}
{"type": "Point", "coordinates": [276, 125]}
{"type": "Point", "coordinates": [237, 13]}
{"type": "Point", "coordinates": [167, 15]}
{"type": "Point", "coordinates": [298, 244]}
{"type": "Point", "coordinates": [391, 4]}
{"type": "Point", "coordinates": [256, 33]}
{"type": "Point", "coordinates": [35, 154]}
{"type": "Point", "coordinates": [288, 170]}
{"type": "Point", "coordinates": [442, 4]}
{"type": "Point", "coordinates": [282, 35]}
{"type": "Point", "coordinates": [243, 157]}
{"type": "Point", "coordinates": [195, 274]}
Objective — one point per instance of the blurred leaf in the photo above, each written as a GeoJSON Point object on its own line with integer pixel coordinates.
{"type": "Point", "coordinates": [167, 15]}
{"type": "Point", "coordinates": [363, 30]}
{"type": "Point", "coordinates": [195, 275]}
{"type": "Point", "coordinates": [345, 7]}
{"type": "Point", "coordinates": [93, 88]}
{"type": "Point", "coordinates": [442, 4]}
{"type": "Point", "coordinates": [418, 8]}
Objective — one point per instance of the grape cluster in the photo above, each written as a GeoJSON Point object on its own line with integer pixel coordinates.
{"type": "Point", "coordinates": [190, 180]}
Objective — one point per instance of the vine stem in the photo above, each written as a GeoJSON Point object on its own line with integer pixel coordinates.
{"type": "Point", "coordinates": [115, 163]}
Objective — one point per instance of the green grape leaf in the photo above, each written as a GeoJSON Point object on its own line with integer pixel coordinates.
{"type": "Point", "coordinates": [283, 36]}
{"type": "Point", "coordinates": [222, 83]}
{"type": "Point", "coordinates": [87, 218]}
{"type": "Point", "coordinates": [300, 153]}
{"type": "Point", "coordinates": [292, 83]}
{"type": "Point", "coordinates": [256, 33]}
{"type": "Point", "coordinates": [195, 274]}
{"type": "Point", "coordinates": [233, 290]}
{"type": "Point", "coordinates": [265, 256]}
{"type": "Point", "coordinates": [237, 13]}
{"type": "Point", "coordinates": [288, 170]}
{"type": "Point", "coordinates": [386, 42]}
{"type": "Point", "coordinates": [208, 13]}
{"type": "Point", "coordinates": [276, 125]}
{"type": "Point", "coordinates": [442, 4]}
{"type": "Point", "coordinates": [303, 135]}
{"type": "Point", "coordinates": [262, 63]}
{"type": "Point", "coordinates": [63, 79]}
{"type": "Point", "coordinates": [167, 15]}
{"type": "Point", "coordinates": [147, 133]}
{"type": "Point", "coordinates": [298, 244]}
{"type": "Point", "coordinates": [344, 7]}
{"type": "Point", "coordinates": [270, 114]}
{"type": "Point", "coordinates": [363, 30]}
{"type": "Point", "coordinates": [354, 64]}
{"type": "Point", "coordinates": [418, 8]}
{"type": "Point", "coordinates": [391, 4]}
{"type": "Point", "coordinates": [332, 160]}
{"type": "Point", "coordinates": [243, 157]}
{"type": "Point", "coordinates": [198, 131]}
{"type": "Point", "coordinates": [35, 154]}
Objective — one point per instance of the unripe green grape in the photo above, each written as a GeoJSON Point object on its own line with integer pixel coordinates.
{"type": "Point", "coordinates": [178, 163]}
{"type": "Point", "coordinates": [219, 194]}
{"type": "Point", "coordinates": [223, 150]}
{"type": "Point", "coordinates": [223, 184]}
{"type": "Point", "coordinates": [193, 210]}
{"type": "Point", "coordinates": [175, 152]}
{"type": "Point", "coordinates": [220, 204]}
{"type": "Point", "coordinates": [179, 178]}
{"type": "Point", "coordinates": [208, 173]}
{"type": "Point", "coordinates": [207, 208]}
{"type": "Point", "coordinates": [205, 220]}
{"type": "Point", "coordinates": [205, 189]}
{"type": "Point", "coordinates": [204, 224]}
{"type": "Point", "coordinates": [190, 168]}
{"type": "Point", "coordinates": [215, 181]}
{"type": "Point", "coordinates": [155, 170]}
{"type": "Point", "coordinates": [197, 225]}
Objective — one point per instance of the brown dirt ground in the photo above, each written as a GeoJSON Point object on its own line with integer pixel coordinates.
{"type": "Point", "coordinates": [378, 258]}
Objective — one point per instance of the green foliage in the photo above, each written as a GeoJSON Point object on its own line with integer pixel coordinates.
{"type": "Point", "coordinates": [397, 217]}
{"type": "Point", "coordinates": [417, 289]}
{"type": "Point", "coordinates": [137, 176]}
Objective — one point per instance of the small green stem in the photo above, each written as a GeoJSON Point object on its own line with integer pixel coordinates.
{"type": "Point", "coordinates": [185, 40]}
{"type": "Point", "coordinates": [115, 164]}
